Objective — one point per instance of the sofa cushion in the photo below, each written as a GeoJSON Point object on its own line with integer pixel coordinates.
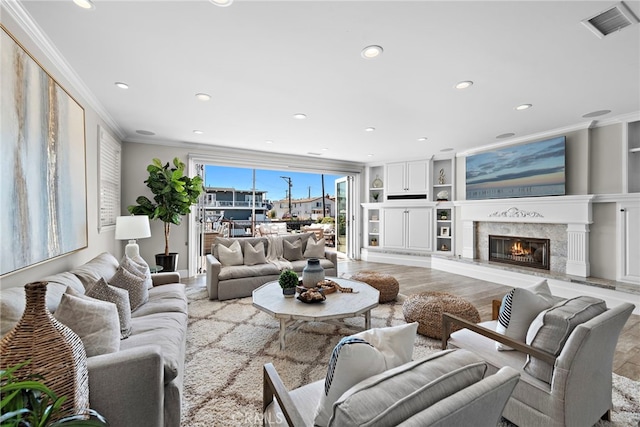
{"type": "Point", "coordinates": [164, 299]}
{"type": "Point", "coordinates": [231, 255]}
{"type": "Point", "coordinates": [65, 279]}
{"type": "Point", "coordinates": [292, 250]}
{"type": "Point", "coordinates": [315, 249]}
{"type": "Point", "coordinates": [254, 254]}
{"type": "Point", "coordinates": [519, 308]}
{"type": "Point", "coordinates": [242, 271]}
{"type": "Point", "coordinates": [393, 396]}
{"type": "Point", "coordinates": [346, 369]}
{"type": "Point", "coordinates": [135, 285]}
{"type": "Point", "coordinates": [168, 330]}
{"type": "Point", "coordinates": [104, 265]}
{"type": "Point", "coordinates": [95, 322]}
{"type": "Point", "coordinates": [120, 297]}
{"type": "Point", "coordinates": [551, 329]}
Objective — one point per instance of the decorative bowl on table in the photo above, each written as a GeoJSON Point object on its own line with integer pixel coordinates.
{"type": "Point", "coordinates": [311, 296]}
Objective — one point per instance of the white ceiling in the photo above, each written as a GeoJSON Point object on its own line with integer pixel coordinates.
{"type": "Point", "coordinates": [263, 61]}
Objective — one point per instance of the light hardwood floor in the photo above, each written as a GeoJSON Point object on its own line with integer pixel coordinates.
{"type": "Point", "coordinates": [481, 293]}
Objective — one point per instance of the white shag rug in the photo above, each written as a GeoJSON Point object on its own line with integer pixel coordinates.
{"type": "Point", "coordinates": [228, 342]}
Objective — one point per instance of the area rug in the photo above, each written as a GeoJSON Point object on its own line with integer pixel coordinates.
{"type": "Point", "coordinates": [228, 342]}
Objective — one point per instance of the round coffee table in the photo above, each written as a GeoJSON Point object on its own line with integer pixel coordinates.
{"type": "Point", "coordinates": [338, 305]}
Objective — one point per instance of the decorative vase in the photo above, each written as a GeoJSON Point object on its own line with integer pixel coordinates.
{"type": "Point", "coordinates": [289, 292]}
{"type": "Point", "coordinates": [312, 273]}
{"type": "Point", "coordinates": [377, 183]}
{"type": "Point", "coordinates": [54, 350]}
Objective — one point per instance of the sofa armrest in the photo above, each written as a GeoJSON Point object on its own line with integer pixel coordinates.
{"type": "Point", "coordinates": [165, 278]}
{"type": "Point", "coordinates": [333, 257]}
{"type": "Point", "coordinates": [213, 271]}
{"type": "Point", "coordinates": [127, 387]}
{"type": "Point", "coordinates": [273, 385]}
{"type": "Point", "coordinates": [448, 320]}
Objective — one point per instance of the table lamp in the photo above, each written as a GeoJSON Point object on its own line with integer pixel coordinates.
{"type": "Point", "coordinates": [130, 228]}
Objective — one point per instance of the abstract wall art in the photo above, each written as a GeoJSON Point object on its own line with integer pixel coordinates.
{"type": "Point", "coordinates": [42, 165]}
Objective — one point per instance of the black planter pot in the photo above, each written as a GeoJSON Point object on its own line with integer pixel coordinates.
{"type": "Point", "coordinates": [168, 262]}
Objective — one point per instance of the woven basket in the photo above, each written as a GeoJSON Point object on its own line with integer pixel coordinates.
{"type": "Point", "coordinates": [55, 351]}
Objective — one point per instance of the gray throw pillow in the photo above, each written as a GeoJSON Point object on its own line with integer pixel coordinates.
{"type": "Point", "coordinates": [120, 297]}
{"type": "Point", "coordinates": [95, 322]}
{"type": "Point", "coordinates": [254, 255]}
{"type": "Point", "coordinates": [135, 285]}
{"type": "Point", "coordinates": [292, 251]}
{"type": "Point", "coordinates": [315, 249]}
{"type": "Point", "coordinates": [138, 267]}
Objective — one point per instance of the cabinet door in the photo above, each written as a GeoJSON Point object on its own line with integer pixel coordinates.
{"type": "Point", "coordinates": [419, 228]}
{"type": "Point", "coordinates": [417, 172]}
{"type": "Point", "coordinates": [394, 227]}
{"type": "Point", "coordinates": [396, 173]}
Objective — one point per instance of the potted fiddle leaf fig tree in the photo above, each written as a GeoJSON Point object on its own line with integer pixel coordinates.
{"type": "Point", "coordinates": [174, 194]}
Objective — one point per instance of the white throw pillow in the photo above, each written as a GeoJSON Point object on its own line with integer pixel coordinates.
{"type": "Point", "coordinates": [519, 308]}
{"type": "Point", "coordinates": [395, 342]}
{"type": "Point", "coordinates": [231, 255]}
{"type": "Point", "coordinates": [314, 249]}
{"type": "Point", "coordinates": [361, 356]}
{"type": "Point", "coordinates": [254, 255]}
{"type": "Point", "coordinates": [95, 322]}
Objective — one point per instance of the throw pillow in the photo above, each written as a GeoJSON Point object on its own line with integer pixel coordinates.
{"type": "Point", "coordinates": [315, 249]}
{"type": "Point", "coordinates": [519, 308]}
{"type": "Point", "coordinates": [142, 268]}
{"type": "Point", "coordinates": [551, 329]}
{"type": "Point", "coordinates": [135, 285]}
{"type": "Point", "coordinates": [95, 322]}
{"type": "Point", "coordinates": [395, 342]}
{"type": "Point", "coordinates": [254, 255]}
{"type": "Point", "coordinates": [393, 396]}
{"type": "Point", "coordinates": [293, 251]}
{"type": "Point", "coordinates": [352, 361]}
{"type": "Point", "coordinates": [120, 297]}
{"type": "Point", "coordinates": [231, 255]}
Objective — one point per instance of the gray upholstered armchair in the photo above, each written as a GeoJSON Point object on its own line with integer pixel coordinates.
{"type": "Point", "coordinates": [446, 389]}
{"type": "Point", "coordinates": [580, 389]}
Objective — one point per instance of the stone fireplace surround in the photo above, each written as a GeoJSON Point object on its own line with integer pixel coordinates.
{"type": "Point", "coordinates": [563, 219]}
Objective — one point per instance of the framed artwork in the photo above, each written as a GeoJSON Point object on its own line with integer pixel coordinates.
{"type": "Point", "coordinates": [42, 167]}
{"type": "Point", "coordinates": [444, 231]}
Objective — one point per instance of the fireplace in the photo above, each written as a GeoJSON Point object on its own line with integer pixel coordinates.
{"type": "Point", "coordinates": [523, 251]}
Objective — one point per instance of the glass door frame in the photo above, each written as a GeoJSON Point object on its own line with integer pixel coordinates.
{"type": "Point", "coordinates": [352, 217]}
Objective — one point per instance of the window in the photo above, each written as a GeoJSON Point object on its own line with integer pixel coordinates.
{"type": "Point", "coordinates": [109, 166]}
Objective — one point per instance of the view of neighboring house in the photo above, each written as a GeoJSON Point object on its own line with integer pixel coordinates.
{"type": "Point", "coordinates": [233, 204]}
{"type": "Point", "coordinates": [308, 208]}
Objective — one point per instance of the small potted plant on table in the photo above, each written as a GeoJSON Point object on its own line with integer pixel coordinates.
{"type": "Point", "coordinates": [288, 281]}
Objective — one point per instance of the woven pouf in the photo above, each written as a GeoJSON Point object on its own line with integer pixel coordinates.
{"type": "Point", "coordinates": [426, 308]}
{"type": "Point", "coordinates": [385, 283]}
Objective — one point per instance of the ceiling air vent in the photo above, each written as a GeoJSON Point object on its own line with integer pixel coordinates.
{"type": "Point", "coordinates": [610, 20]}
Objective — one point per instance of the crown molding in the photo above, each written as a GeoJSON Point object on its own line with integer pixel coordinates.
{"type": "Point", "coordinates": [24, 20]}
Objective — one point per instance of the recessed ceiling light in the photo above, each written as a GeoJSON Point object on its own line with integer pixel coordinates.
{"type": "Point", "coordinates": [198, 132]}
{"type": "Point", "coordinates": [145, 132]}
{"type": "Point", "coordinates": [222, 3]}
{"type": "Point", "coordinates": [505, 135]}
{"type": "Point", "coordinates": [325, 149]}
{"type": "Point", "coordinates": [463, 85]}
{"type": "Point", "coordinates": [596, 113]}
{"type": "Point", "coordinates": [268, 141]}
{"type": "Point", "coordinates": [122, 85]}
{"type": "Point", "coordinates": [523, 107]}
{"type": "Point", "coordinates": [203, 96]}
{"type": "Point", "coordinates": [300, 116]}
{"type": "Point", "coordinates": [369, 155]}
{"type": "Point", "coordinates": [369, 129]}
{"type": "Point", "coordinates": [422, 138]}
{"type": "Point", "coordinates": [85, 4]}
{"type": "Point", "coordinates": [371, 52]}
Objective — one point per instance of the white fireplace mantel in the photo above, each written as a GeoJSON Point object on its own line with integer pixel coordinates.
{"type": "Point", "coordinates": [574, 211]}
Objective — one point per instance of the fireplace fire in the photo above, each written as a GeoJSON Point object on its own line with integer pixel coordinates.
{"type": "Point", "coordinates": [524, 251]}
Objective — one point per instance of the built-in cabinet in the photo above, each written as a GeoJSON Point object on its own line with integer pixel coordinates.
{"type": "Point", "coordinates": [408, 228]}
{"type": "Point", "coordinates": [444, 228]}
{"type": "Point", "coordinates": [405, 178]}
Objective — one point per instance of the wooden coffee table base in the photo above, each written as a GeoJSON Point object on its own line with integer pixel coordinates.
{"type": "Point", "coordinates": [338, 306]}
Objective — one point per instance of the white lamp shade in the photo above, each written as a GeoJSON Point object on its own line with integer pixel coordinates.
{"type": "Point", "coordinates": [132, 227]}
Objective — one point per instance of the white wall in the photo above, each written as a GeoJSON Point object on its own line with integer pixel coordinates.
{"type": "Point", "coordinates": [97, 242]}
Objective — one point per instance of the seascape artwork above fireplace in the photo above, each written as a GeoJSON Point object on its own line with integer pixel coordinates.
{"type": "Point", "coordinates": [522, 251]}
